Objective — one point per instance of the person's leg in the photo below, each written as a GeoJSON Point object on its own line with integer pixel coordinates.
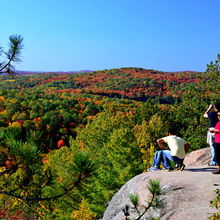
{"type": "Point", "coordinates": [217, 155]}
{"type": "Point", "coordinates": [211, 142]}
{"type": "Point", "coordinates": [166, 159]}
{"type": "Point", "coordinates": [157, 159]}
{"type": "Point", "coordinates": [213, 161]}
{"type": "Point", "coordinates": [177, 161]}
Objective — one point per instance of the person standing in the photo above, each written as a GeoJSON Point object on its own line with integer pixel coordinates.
{"type": "Point", "coordinates": [176, 153]}
{"type": "Point", "coordinates": [217, 143]}
{"type": "Point", "coordinates": [212, 115]}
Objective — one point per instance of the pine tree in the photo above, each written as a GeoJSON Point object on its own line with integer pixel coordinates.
{"type": "Point", "coordinates": [13, 55]}
{"type": "Point", "coordinates": [154, 201]}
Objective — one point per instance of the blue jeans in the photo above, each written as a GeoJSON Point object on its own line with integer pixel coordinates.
{"type": "Point", "coordinates": [167, 157]}
{"type": "Point", "coordinates": [164, 157]}
{"type": "Point", "coordinates": [158, 157]}
{"type": "Point", "coordinates": [213, 161]}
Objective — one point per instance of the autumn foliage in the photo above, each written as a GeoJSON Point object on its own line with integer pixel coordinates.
{"type": "Point", "coordinates": [68, 142]}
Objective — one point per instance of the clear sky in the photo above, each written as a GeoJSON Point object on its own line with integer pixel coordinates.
{"type": "Point", "coordinates": [68, 35]}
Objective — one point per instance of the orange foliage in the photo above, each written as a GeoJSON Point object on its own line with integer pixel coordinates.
{"type": "Point", "coordinates": [37, 120]}
{"type": "Point", "coordinates": [60, 143]}
{"type": "Point", "coordinates": [9, 163]}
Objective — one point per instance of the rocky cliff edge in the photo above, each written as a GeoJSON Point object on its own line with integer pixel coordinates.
{"type": "Point", "coordinates": [188, 192]}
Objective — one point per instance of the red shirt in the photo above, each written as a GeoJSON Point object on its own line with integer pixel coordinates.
{"type": "Point", "coordinates": [217, 134]}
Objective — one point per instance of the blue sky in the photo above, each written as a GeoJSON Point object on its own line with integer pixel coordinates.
{"type": "Point", "coordinates": [67, 35]}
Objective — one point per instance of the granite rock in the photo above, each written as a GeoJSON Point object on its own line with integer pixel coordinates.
{"type": "Point", "coordinates": [188, 192]}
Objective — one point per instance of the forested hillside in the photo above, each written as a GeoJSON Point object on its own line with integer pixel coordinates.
{"type": "Point", "coordinates": [68, 142]}
{"type": "Point", "coordinates": [133, 83]}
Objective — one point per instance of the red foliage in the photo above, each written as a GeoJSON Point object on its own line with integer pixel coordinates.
{"type": "Point", "coordinates": [21, 122]}
{"type": "Point", "coordinates": [9, 163]}
{"type": "Point", "coordinates": [60, 143]}
{"type": "Point", "coordinates": [140, 82]}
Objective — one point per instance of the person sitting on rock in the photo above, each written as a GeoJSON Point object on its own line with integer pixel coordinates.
{"type": "Point", "coordinates": [178, 148]}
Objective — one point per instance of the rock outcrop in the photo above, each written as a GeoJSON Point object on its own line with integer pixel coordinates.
{"type": "Point", "coordinates": [189, 191]}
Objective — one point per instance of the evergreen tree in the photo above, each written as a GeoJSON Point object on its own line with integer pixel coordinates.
{"type": "Point", "coordinates": [154, 202]}
{"type": "Point", "coordinates": [212, 81]}
{"type": "Point", "coordinates": [13, 55]}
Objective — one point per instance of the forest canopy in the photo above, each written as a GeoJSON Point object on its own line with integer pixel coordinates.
{"type": "Point", "coordinates": [70, 141]}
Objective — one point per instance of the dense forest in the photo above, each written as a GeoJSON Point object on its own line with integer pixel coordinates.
{"type": "Point", "coordinates": [68, 142]}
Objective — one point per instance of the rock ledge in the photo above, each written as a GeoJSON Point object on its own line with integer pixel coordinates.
{"type": "Point", "coordinates": [189, 191]}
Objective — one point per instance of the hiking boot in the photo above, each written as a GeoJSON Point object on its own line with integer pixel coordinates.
{"type": "Point", "coordinates": [182, 167]}
{"type": "Point", "coordinates": [153, 169]}
{"type": "Point", "coordinates": [168, 170]}
{"type": "Point", "coordinates": [216, 172]}
{"type": "Point", "coordinates": [212, 164]}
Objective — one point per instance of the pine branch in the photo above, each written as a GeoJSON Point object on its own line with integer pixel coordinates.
{"type": "Point", "coordinates": [149, 205]}
{"type": "Point", "coordinates": [66, 191]}
{"type": "Point", "coordinates": [13, 54]}
{"type": "Point", "coordinates": [156, 192]}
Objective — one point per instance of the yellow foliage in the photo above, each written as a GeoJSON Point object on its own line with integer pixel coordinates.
{"type": "Point", "coordinates": [84, 212]}
{"type": "Point", "coordinates": [4, 113]}
{"type": "Point", "coordinates": [13, 100]}
{"type": "Point", "coordinates": [163, 107]}
{"type": "Point", "coordinates": [15, 202]}
{"type": "Point", "coordinates": [15, 117]}
{"type": "Point", "coordinates": [15, 125]}
{"type": "Point", "coordinates": [155, 123]}
{"type": "Point", "coordinates": [148, 156]}
{"type": "Point", "coordinates": [142, 134]}
{"type": "Point", "coordinates": [143, 151]}
{"type": "Point", "coordinates": [2, 169]}
{"type": "Point", "coordinates": [151, 152]}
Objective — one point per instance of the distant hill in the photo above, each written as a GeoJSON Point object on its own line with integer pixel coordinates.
{"type": "Point", "coordinates": [128, 82]}
{"type": "Point", "coordinates": [22, 72]}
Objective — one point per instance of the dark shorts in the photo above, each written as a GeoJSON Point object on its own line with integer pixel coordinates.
{"type": "Point", "coordinates": [217, 153]}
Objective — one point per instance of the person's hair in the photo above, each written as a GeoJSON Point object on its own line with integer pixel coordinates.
{"type": "Point", "coordinates": [172, 131]}
{"type": "Point", "coordinates": [217, 106]}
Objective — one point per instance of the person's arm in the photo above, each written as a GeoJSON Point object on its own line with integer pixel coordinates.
{"type": "Point", "coordinates": [161, 143]}
{"type": "Point", "coordinates": [207, 111]}
{"type": "Point", "coordinates": [214, 130]}
{"type": "Point", "coordinates": [186, 147]}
